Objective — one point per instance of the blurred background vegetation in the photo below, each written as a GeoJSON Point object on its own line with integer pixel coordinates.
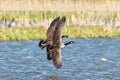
{"type": "Point", "coordinates": [51, 8]}
{"type": "Point", "coordinates": [85, 18]}
{"type": "Point", "coordinates": [60, 5]}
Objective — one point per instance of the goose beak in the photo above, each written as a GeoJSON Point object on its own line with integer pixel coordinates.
{"type": "Point", "coordinates": [72, 42]}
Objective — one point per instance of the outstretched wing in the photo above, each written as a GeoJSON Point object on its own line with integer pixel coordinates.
{"type": "Point", "coordinates": [50, 31]}
{"type": "Point", "coordinates": [56, 49]}
{"type": "Point", "coordinates": [49, 36]}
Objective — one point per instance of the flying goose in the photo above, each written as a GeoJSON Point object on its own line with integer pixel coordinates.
{"type": "Point", "coordinates": [49, 36]}
{"type": "Point", "coordinates": [53, 41]}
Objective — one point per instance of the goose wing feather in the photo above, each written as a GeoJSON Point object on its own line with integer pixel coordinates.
{"type": "Point", "coordinates": [50, 31]}
{"type": "Point", "coordinates": [56, 49]}
{"type": "Point", "coordinates": [49, 36]}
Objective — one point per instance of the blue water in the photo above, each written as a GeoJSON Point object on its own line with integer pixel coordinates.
{"type": "Point", "coordinates": [87, 59]}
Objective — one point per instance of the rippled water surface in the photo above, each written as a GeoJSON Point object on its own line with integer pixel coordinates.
{"type": "Point", "coordinates": [87, 59]}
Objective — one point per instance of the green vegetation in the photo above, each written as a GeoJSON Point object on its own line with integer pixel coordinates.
{"type": "Point", "coordinates": [73, 31]}
{"type": "Point", "coordinates": [43, 15]}
{"type": "Point", "coordinates": [76, 31]}
{"type": "Point", "coordinates": [23, 33]}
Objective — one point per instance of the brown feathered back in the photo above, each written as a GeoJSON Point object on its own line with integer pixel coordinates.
{"type": "Point", "coordinates": [56, 49]}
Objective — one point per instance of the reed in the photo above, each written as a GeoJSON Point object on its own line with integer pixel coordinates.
{"type": "Point", "coordinates": [81, 18]}
{"type": "Point", "coordinates": [73, 31]}
{"type": "Point", "coordinates": [44, 9]}
{"type": "Point", "coordinates": [76, 11]}
{"type": "Point", "coordinates": [60, 5]}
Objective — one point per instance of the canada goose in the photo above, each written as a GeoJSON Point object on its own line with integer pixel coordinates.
{"type": "Point", "coordinates": [12, 23]}
{"type": "Point", "coordinates": [53, 41]}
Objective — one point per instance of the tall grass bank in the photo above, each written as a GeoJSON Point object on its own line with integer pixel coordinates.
{"type": "Point", "coordinates": [72, 31]}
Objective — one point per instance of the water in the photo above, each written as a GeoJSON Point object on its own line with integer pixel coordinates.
{"type": "Point", "coordinates": [87, 59]}
{"type": "Point", "coordinates": [19, 23]}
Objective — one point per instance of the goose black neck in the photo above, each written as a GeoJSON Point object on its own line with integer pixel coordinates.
{"type": "Point", "coordinates": [67, 43]}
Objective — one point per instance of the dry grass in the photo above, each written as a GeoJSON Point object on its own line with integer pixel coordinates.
{"type": "Point", "coordinates": [76, 11]}
{"type": "Point", "coordinates": [61, 5]}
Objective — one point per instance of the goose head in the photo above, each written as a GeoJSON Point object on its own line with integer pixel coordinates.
{"type": "Point", "coordinates": [42, 44]}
